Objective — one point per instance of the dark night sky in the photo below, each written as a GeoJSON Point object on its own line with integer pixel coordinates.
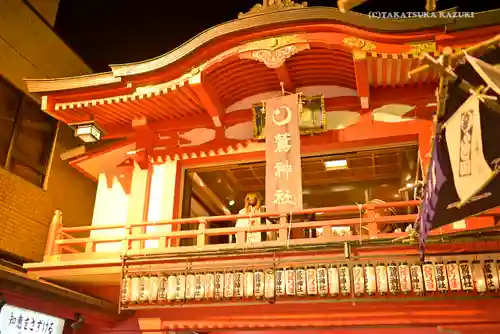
{"type": "Point", "coordinates": [118, 31]}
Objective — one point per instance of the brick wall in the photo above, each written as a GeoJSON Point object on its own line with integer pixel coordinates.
{"type": "Point", "coordinates": [26, 210]}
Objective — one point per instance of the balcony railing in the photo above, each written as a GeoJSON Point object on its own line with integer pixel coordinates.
{"type": "Point", "coordinates": [132, 238]}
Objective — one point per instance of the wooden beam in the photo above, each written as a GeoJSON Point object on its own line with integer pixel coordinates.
{"type": "Point", "coordinates": [209, 100]}
{"type": "Point", "coordinates": [284, 77]}
{"type": "Point", "coordinates": [379, 97]}
{"type": "Point", "coordinates": [145, 139]}
{"type": "Point", "coordinates": [362, 84]}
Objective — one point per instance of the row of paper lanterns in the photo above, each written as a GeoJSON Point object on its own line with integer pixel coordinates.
{"type": "Point", "coordinates": [322, 280]}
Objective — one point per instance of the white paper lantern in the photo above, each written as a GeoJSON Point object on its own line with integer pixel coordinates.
{"type": "Point", "coordinates": [453, 273]}
{"type": "Point", "coordinates": [333, 280]}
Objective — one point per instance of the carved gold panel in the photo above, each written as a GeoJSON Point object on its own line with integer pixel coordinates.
{"type": "Point", "coordinates": [423, 47]}
{"type": "Point", "coordinates": [273, 52]}
{"type": "Point", "coordinates": [268, 6]}
{"type": "Point", "coordinates": [359, 43]}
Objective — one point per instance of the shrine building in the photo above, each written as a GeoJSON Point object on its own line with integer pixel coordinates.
{"type": "Point", "coordinates": [262, 176]}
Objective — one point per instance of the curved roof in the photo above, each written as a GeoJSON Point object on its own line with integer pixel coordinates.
{"type": "Point", "coordinates": [353, 60]}
{"type": "Point", "coordinates": [262, 22]}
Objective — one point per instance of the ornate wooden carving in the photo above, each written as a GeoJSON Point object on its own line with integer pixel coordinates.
{"type": "Point", "coordinates": [359, 43]}
{"type": "Point", "coordinates": [271, 6]}
{"type": "Point", "coordinates": [273, 52]}
{"type": "Point", "coordinates": [423, 47]}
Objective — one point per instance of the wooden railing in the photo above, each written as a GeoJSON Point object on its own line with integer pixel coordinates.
{"type": "Point", "coordinates": [132, 239]}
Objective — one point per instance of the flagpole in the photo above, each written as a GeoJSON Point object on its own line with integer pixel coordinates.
{"type": "Point", "coordinates": [470, 50]}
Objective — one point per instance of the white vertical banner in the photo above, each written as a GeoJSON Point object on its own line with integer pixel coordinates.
{"type": "Point", "coordinates": [283, 165]}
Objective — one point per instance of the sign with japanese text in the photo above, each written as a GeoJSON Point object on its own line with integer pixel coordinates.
{"type": "Point", "coordinates": [16, 320]}
{"type": "Point", "coordinates": [283, 166]}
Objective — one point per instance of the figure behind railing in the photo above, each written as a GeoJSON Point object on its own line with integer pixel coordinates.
{"type": "Point", "coordinates": [252, 206]}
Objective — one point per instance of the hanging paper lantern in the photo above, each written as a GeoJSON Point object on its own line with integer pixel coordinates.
{"type": "Point", "coordinates": [239, 286]}
{"type": "Point", "coordinates": [162, 289]}
{"type": "Point", "coordinates": [180, 287]}
{"type": "Point", "coordinates": [171, 289]}
{"type": "Point", "coordinates": [392, 276]}
{"type": "Point", "coordinates": [228, 285]}
{"type": "Point", "coordinates": [322, 276]}
{"type": "Point", "coordinates": [199, 292]}
{"type": "Point", "coordinates": [382, 284]}
{"type": "Point", "coordinates": [249, 284]}
{"type": "Point", "coordinates": [280, 282]}
{"type": "Point", "coordinates": [269, 284]}
{"type": "Point", "coordinates": [134, 289]}
{"type": "Point", "coordinates": [312, 281]}
{"type": "Point", "coordinates": [290, 281]}
{"type": "Point", "coordinates": [358, 277]}
{"type": "Point", "coordinates": [219, 286]}
{"type": "Point", "coordinates": [125, 296]}
{"type": "Point", "coordinates": [190, 286]}
{"type": "Point", "coordinates": [429, 276]}
{"type": "Point", "coordinates": [466, 276]}
{"type": "Point", "coordinates": [345, 280]}
{"type": "Point", "coordinates": [370, 279]}
{"type": "Point", "coordinates": [209, 286]}
{"type": "Point", "coordinates": [453, 272]}
{"type": "Point", "coordinates": [154, 285]}
{"type": "Point", "coordinates": [333, 280]}
{"type": "Point", "coordinates": [301, 282]}
{"type": "Point", "coordinates": [441, 278]}
{"type": "Point", "coordinates": [404, 277]}
{"type": "Point", "coordinates": [478, 277]}
{"type": "Point", "coordinates": [491, 274]}
{"type": "Point", "coordinates": [259, 281]}
{"type": "Point", "coordinates": [417, 279]}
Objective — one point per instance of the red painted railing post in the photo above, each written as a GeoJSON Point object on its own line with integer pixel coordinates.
{"type": "Point", "coordinates": [54, 234]}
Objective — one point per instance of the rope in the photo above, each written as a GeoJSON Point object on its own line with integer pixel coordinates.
{"type": "Point", "coordinates": [360, 208]}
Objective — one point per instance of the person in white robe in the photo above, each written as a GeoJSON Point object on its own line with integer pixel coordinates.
{"type": "Point", "coordinates": [252, 206]}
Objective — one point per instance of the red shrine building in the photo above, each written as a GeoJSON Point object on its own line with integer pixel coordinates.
{"type": "Point", "coordinates": [261, 176]}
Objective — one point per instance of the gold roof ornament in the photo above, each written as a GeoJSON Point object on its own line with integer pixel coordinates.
{"type": "Point", "coordinates": [420, 48]}
{"type": "Point", "coordinates": [272, 6]}
{"type": "Point", "coordinates": [359, 43]}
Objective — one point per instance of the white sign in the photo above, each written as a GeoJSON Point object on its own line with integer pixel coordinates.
{"type": "Point", "coordinates": [16, 320]}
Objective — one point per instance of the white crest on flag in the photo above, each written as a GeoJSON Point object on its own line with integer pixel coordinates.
{"type": "Point", "coordinates": [471, 171]}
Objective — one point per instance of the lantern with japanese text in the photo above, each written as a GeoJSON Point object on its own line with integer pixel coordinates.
{"type": "Point", "coordinates": [491, 275]}
{"type": "Point", "coordinates": [382, 283]}
{"type": "Point", "coordinates": [404, 277]}
{"type": "Point", "coordinates": [219, 285]}
{"type": "Point", "coordinates": [312, 281]}
{"type": "Point", "coordinates": [290, 281]}
{"type": "Point", "coordinates": [466, 276]}
{"type": "Point", "coordinates": [301, 282]}
{"type": "Point", "coordinates": [280, 282]}
{"type": "Point", "coordinates": [358, 279]}
{"type": "Point", "coordinates": [370, 279]}
{"type": "Point", "coordinates": [429, 276]}
{"type": "Point", "coordinates": [209, 286]}
{"type": "Point", "coordinates": [259, 284]}
{"type": "Point", "coordinates": [228, 285]}
{"type": "Point", "coordinates": [322, 276]}
{"type": "Point", "coordinates": [453, 273]}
